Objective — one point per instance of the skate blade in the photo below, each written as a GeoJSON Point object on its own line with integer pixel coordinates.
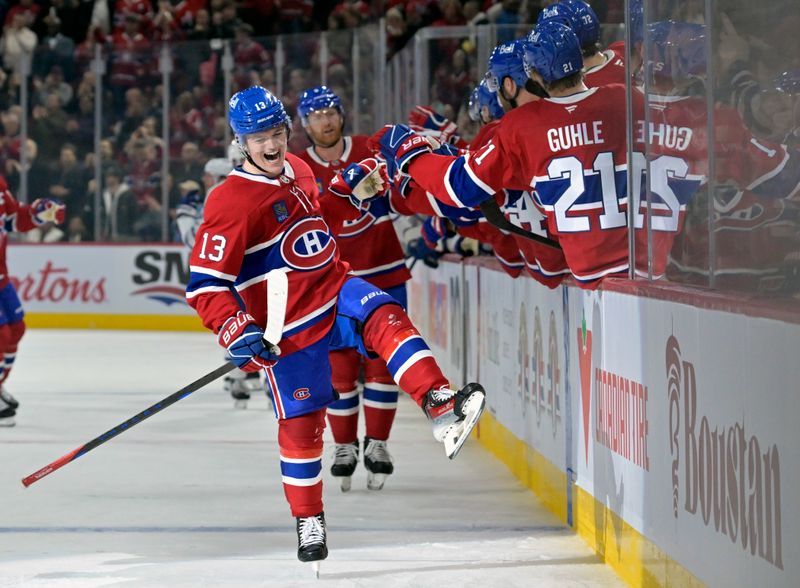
{"type": "Point", "coordinates": [347, 483]}
{"type": "Point", "coordinates": [315, 568]}
{"type": "Point", "coordinates": [240, 404]}
{"type": "Point", "coordinates": [375, 481]}
{"type": "Point", "coordinates": [7, 422]}
{"type": "Point", "coordinates": [459, 432]}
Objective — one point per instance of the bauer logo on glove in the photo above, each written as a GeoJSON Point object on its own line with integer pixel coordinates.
{"type": "Point", "coordinates": [48, 210]}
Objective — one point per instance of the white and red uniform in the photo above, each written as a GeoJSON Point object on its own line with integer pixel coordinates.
{"type": "Point", "coordinates": [572, 152]}
{"type": "Point", "coordinates": [610, 72]}
{"type": "Point", "coordinates": [14, 217]}
{"type": "Point", "coordinates": [370, 245]}
{"type": "Point", "coordinates": [253, 225]}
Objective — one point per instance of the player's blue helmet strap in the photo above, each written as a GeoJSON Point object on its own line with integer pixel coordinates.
{"type": "Point", "coordinates": [317, 98]}
{"type": "Point", "coordinates": [254, 110]}
{"type": "Point", "coordinates": [553, 51]}
{"type": "Point", "coordinates": [507, 60]}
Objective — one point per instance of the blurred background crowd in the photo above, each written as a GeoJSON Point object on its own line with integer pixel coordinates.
{"type": "Point", "coordinates": [49, 81]}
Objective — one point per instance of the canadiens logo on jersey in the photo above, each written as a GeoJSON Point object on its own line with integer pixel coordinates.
{"type": "Point", "coordinates": [280, 211]}
{"type": "Point", "coordinates": [308, 244]}
{"type": "Point", "coordinates": [358, 226]}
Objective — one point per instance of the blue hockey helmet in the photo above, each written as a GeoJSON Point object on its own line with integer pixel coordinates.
{"type": "Point", "coordinates": [254, 110]}
{"type": "Point", "coordinates": [578, 16]}
{"type": "Point", "coordinates": [317, 98]}
{"type": "Point", "coordinates": [482, 96]}
{"type": "Point", "coordinates": [553, 51]}
{"type": "Point", "coordinates": [636, 10]}
{"type": "Point", "coordinates": [507, 61]}
{"type": "Point", "coordinates": [678, 49]}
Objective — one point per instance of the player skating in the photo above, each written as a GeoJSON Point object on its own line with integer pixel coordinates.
{"type": "Point", "coordinates": [22, 218]}
{"type": "Point", "coordinates": [264, 218]}
{"type": "Point", "coordinates": [369, 244]}
{"type": "Point", "coordinates": [189, 216]}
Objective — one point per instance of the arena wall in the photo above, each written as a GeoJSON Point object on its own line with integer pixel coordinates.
{"type": "Point", "coordinates": [662, 432]}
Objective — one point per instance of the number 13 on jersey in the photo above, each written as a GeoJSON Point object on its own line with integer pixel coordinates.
{"type": "Point", "coordinates": [217, 245]}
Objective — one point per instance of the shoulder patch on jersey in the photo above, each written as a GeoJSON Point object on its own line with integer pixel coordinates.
{"type": "Point", "coordinates": [280, 211]}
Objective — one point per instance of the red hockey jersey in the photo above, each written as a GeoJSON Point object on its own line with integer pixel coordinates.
{"type": "Point", "coordinates": [369, 242]}
{"type": "Point", "coordinates": [572, 152]}
{"type": "Point", "coordinates": [610, 72]}
{"type": "Point", "coordinates": [253, 225]}
{"type": "Point", "coordinates": [15, 217]}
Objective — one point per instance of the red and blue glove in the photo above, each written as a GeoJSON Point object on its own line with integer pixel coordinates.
{"type": "Point", "coordinates": [244, 340]}
{"type": "Point", "coordinates": [48, 210]}
{"type": "Point", "coordinates": [424, 117]}
{"type": "Point", "coordinates": [399, 144]}
{"type": "Point", "coordinates": [361, 182]}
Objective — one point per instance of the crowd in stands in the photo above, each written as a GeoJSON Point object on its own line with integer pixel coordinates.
{"type": "Point", "coordinates": [61, 37]}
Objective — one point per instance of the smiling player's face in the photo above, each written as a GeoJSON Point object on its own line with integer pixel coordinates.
{"type": "Point", "coordinates": [325, 127]}
{"type": "Point", "coordinates": [268, 150]}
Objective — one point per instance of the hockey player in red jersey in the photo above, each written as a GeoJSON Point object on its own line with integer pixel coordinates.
{"type": "Point", "coordinates": [569, 147]}
{"type": "Point", "coordinates": [369, 244]}
{"type": "Point", "coordinates": [600, 67]}
{"type": "Point", "coordinates": [16, 217]}
{"type": "Point", "coordinates": [678, 148]}
{"type": "Point", "coordinates": [265, 218]}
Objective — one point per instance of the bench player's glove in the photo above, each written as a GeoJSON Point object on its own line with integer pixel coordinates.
{"type": "Point", "coordinates": [244, 340]}
{"type": "Point", "coordinates": [424, 117]}
{"type": "Point", "coordinates": [400, 144]}
{"type": "Point", "coordinates": [361, 182]}
{"type": "Point", "coordinates": [48, 210]}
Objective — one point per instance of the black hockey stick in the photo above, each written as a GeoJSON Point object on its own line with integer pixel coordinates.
{"type": "Point", "coordinates": [495, 216]}
{"type": "Point", "coordinates": [134, 420]}
{"type": "Point", "coordinates": [277, 295]}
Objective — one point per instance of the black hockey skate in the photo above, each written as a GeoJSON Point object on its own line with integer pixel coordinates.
{"type": "Point", "coordinates": [8, 408]}
{"type": "Point", "coordinates": [311, 540]}
{"type": "Point", "coordinates": [378, 462]}
{"type": "Point", "coordinates": [454, 414]}
{"type": "Point", "coordinates": [241, 385]}
{"type": "Point", "coordinates": [345, 459]}
{"type": "Point", "coordinates": [7, 398]}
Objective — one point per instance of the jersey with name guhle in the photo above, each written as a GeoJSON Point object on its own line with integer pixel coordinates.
{"type": "Point", "coordinates": [253, 225]}
{"type": "Point", "coordinates": [368, 242]}
{"type": "Point", "coordinates": [572, 152]}
{"type": "Point", "coordinates": [678, 162]}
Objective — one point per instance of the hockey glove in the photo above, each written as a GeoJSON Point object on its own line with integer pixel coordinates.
{"type": "Point", "coordinates": [48, 210]}
{"type": "Point", "coordinates": [419, 250]}
{"type": "Point", "coordinates": [424, 117]}
{"type": "Point", "coordinates": [361, 182]}
{"type": "Point", "coordinates": [400, 144]}
{"type": "Point", "coordinates": [244, 340]}
{"type": "Point", "coordinates": [433, 230]}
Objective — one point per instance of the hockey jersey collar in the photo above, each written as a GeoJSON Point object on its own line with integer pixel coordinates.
{"type": "Point", "coordinates": [348, 146]}
{"type": "Point", "coordinates": [609, 55]}
{"type": "Point", "coordinates": [573, 97]}
{"type": "Point", "coordinates": [288, 171]}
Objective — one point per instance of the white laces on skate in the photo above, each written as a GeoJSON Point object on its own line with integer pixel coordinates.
{"type": "Point", "coordinates": [311, 531]}
{"type": "Point", "coordinates": [345, 454]}
{"type": "Point", "coordinates": [376, 451]}
{"type": "Point", "coordinates": [440, 396]}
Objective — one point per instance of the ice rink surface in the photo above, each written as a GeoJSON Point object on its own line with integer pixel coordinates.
{"type": "Point", "coordinates": [192, 497]}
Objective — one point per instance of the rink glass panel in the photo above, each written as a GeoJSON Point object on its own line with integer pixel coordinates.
{"type": "Point", "coordinates": [728, 74]}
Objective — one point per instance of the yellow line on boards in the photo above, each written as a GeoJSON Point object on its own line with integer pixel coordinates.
{"type": "Point", "coordinates": [139, 322]}
{"type": "Point", "coordinates": [631, 555]}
